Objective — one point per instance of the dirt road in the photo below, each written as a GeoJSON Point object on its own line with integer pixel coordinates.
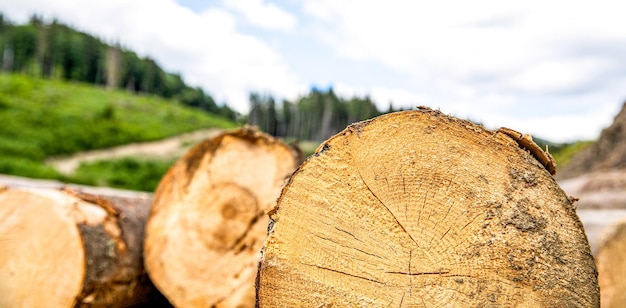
{"type": "Point", "coordinates": [166, 148]}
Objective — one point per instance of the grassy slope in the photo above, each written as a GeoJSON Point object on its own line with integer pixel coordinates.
{"type": "Point", "coordinates": [43, 118]}
{"type": "Point", "coordinates": [128, 172]}
{"type": "Point", "coordinates": [563, 152]}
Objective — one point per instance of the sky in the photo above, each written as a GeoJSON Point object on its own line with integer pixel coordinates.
{"type": "Point", "coordinates": [554, 69]}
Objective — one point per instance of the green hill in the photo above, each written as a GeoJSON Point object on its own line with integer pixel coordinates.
{"type": "Point", "coordinates": [42, 118]}
{"type": "Point", "coordinates": [53, 50]}
{"type": "Point", "coordinates": [562, 152]}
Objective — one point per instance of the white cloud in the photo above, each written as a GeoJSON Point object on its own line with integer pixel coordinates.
{"type": "Point", "coordinates": [414, 38]}
{"type": "Point", "coordinates": [264, 15]}
{"type": "Point", "coordinates": [450, 33]}
{"type": "Point", "coordinates": [534, 64]}
{"type": "Point", "coordinates": [205, 47]}
{"type": "Point", "coordinates": [460, 38]}
{"type": "Point", "coordinates": [559, 75]}
{"type": "Point", "coordinates": [382, 96]}
{"type": "Point", "coordinates": [559, 127]}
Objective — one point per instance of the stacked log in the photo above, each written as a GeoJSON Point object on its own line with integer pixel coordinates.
{"type": "Point", "coordinates": [209, 218]}
{"type": "Point", "coordinates": [65, 248]}
{"type": "Point", "coordinates": [413, 208]}
{"type": "Point", "coordinates": [421, 209]}
{"type": "Point", "coordinates": [612, 266]}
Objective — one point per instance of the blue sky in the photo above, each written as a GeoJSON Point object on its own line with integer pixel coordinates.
{"type": "Point", "coordinates": [555, 69]}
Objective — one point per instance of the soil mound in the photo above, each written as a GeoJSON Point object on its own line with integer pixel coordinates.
{"type": "Point", "coordinates": [608, 153]}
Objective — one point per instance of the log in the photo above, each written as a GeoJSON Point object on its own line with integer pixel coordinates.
{"type": "Point", "coordinates": [421, 209]}
{"type": "Point", "coordinates": [66, 248]}
{"type": "Point", "coordinates": [612, 265]}
{"type": "Point", "coordinates": [208, 219]}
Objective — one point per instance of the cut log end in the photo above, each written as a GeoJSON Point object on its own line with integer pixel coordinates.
{"type": "Point", "coordinates": [420, 209]}
{"type": "Point", "coordinates": [612, 267]}
{"type": "Point", "coordinates": [209, 221]}
{"type": "Point", "coordinates": [30, 233]}
{"type": "Point", "coordinates": [73, 246]}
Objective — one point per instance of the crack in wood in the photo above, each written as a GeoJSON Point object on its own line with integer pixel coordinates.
{"type": "Point", "coordinates": [340, 244]}
{"type": "Point", "coordinates": [344, 273]}
{"type": "Point", "coordinates": [459, 275]}
{"type": "Point", "coordinates": [437, 223]}
{"type": "Point", "coordinates": [419, 218]}
{"type": "Point", "coordinates": [410, 276]}
{"type": "Point", "coordinates": [471, 221]}
{"type": "Point", "coordinates": [386, 207]}
{"type": "Point", "coordinates": [251, 224]}
{"type": "Point", "coordinates": [349, 233]}
{"type": "Point", "coordinates": [445, 233]}
{"type": "Point", "coordinates": [440, 272]}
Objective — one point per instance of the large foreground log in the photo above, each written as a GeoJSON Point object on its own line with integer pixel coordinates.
{"type": "Point", "coordinates": [424, 210]}
{"type": "Point", "coordinates": [208, 219]}
{"type": "Point", "coordinates": [611, 263]}
{"type": "Point", "coordinates": [63, 248]}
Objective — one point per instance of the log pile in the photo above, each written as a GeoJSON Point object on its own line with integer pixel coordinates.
{"type": "Point", "coordinates": [413, 208]}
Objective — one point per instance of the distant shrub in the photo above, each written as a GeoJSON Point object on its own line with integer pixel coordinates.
{"type": "Point", "coordinates": [4, 102]}
{"type": "Point", "coordinates": [20, 149]}
{"type": "Point", "coordinates": [108, 113]}
{"type": "Point", "coordinates": [564, 154]}
{"type": "Point", "coordinates": [128, 173]}
{"type": "Point", "coordinates": [27, 168]}
{"type": "Point", "coordinates": [19, 85]}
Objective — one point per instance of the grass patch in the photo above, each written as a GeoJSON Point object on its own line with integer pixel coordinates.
{"type": "Point", "coordinates": [562, 152]}
{"type": "Point", "coordinates": [127, 173]}
{"type": "Point", "coordinates": [565, 153]}
{"type": "Point", "coordinates": [27, 168]}
{"type": "Point", "coordinates": [308, 147]}
{"type": "Point", "coordinates": [42, 118]}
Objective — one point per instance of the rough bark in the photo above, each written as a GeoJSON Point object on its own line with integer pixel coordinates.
{"type": "Point", "coordinates": [65, 248]}
{"type": "Point", "coordinates": [421, 209]}
{"type": "Point", "coordinates": [208, 219]}
{"type": "Point", "coordinates": [612, 266]}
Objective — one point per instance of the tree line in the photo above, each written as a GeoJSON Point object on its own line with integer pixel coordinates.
{"type": "Point", "coordinates": [315, 116]}
{"type": "Point", "coordinates": [55, 50]}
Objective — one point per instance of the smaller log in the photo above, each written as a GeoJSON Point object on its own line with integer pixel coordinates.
{"type": "Point", "coordinates": [208, 218]}
{"type": "Point", "coordinates": [65, 248]}
{"type": "Point", "coordinates": [612, 266]}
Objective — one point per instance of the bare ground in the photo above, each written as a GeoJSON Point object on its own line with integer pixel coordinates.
{"type": "Point", "coordinates": [172, 147]}
{"type": "Point", "coordinates": [598, 190]}
{"type": "Point", "coordinates": [602, 201]}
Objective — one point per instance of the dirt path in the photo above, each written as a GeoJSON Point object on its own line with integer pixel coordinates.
{"type": "Point", "coordinates": [172, 147]}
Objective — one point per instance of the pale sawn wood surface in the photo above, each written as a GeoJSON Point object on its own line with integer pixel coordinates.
{"type": "Point", "coordinates": [420, 209]}
{"type": "Point", "coordinates": [66, 248]}
{"type": "Point", "coordinates": [208, 219]}
{"type": "Point", "coordinates": [612, 265]}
